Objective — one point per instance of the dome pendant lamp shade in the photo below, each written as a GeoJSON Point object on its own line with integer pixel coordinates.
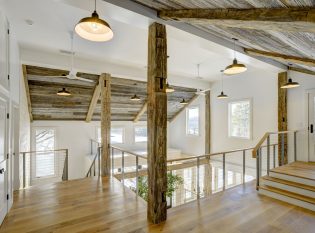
{"type": "Point", "coordinates": [290, 84]}
{"type": "Point", "coordinates": [168, 88]}
{"type": "Point", "coordinates": [235, 67]}
{"type": "Point", "coordinates": [222, 96]}
{"type": "Point", "coordinates": [183, 102]}
{"type": "Point", "coordinates": [94, 29]}
{"type": "Point", "coordinates": [63, 92]}
{"type": "Point", "coordinates": [135, 98]}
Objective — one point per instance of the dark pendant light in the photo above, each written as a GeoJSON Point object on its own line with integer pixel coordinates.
{"type": "Point", "coordinates": [135, 98]}
{"type": "Point", "coordinates": [222, 95]}
{"type": "Point", "coordinates": [235, 67]}
{"type": "Point", "coordinates": [183, 102]}
{"type": "Point", "coordinates": [290, 84]}
{"type": "Point", "coordinates": [168, 88]}
{"type": "Point", "coordinates": [94, 29]}
{"type": "Point", "coordinates": [63, 92]}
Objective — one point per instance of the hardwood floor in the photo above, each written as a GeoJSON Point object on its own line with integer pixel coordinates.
{"type": "Point", "coordinates": [304, 170]}
{"type": "Point", "coordinates": [92, 205]}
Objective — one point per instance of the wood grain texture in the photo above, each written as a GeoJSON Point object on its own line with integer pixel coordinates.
{"type": "Point", "coordinates": [95, 98]}
{"type": "Point", "coordinates": [105, 86]}
{"type": "Point", "coordinates": [27, 92]}
{"type": "Point", "coordinates": [300, 70]}
{"type": "Point", "coordinates": [46, 105]}
{"type": "Point", "coordinates": [280, 19]}
{"type": "Point", "coordinates": [282, 115]}
{"type": "Point", "coordinates": [305, 170]}
{"type": "Point", "coordinates": [141, 112]}
{"type": "Point", "coordinates": [157, 123]}
{"type": "Point", "coordinates": [267, 34]}
{"type": "Point", "coordinates": [281, 57]}
{"type": "Point", "coordinates": [103, 205]}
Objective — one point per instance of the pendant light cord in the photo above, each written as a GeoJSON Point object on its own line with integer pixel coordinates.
{"type": "Point", "coordinates": [198, 66]}
{"type": "Point", "coordinates": [72, 52]}
{"type": "Point", "coordinates": [94, 5]}
{"type": "Point", "coordinates": [234, 48]}
{"type": "Point", "coordinates": [221, 80]}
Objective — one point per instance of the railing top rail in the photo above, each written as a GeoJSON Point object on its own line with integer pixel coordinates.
{"type": "Point", "coordinates": [266, 135]}
{"type": "Point", "coordinates": [44, 151]}
{"type": "Point", "coordinates": [128, 152]}
{"type": "Point", "coordinates": [213, 154]}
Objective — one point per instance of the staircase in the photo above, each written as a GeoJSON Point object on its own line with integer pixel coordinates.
{"type": "Point", "coordinates": [293, 183]}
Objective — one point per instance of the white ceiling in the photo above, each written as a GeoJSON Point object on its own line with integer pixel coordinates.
{"type": "Point", "coordinates": [54, 19]}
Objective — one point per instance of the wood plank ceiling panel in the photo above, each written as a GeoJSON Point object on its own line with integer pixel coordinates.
{"type": "Point", "coordinates": [46, 105]}
{"type": "Point", "coordinates": [296, 43]}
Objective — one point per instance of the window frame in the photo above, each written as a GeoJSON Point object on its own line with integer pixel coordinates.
{"type": "Point", "coordinates": [134, 133]}
{"type": "Point", "coordinates": [113, 127]}
{"type": "Point", "coordinates": [33, 158]}
{"type": "Point", "coordinates": [187, 118]}
{"type": "Point", "coordinates": [249, 100]}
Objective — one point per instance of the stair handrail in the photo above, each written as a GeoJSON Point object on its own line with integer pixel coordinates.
{"type": "Point", "coordinates": [257, 153]}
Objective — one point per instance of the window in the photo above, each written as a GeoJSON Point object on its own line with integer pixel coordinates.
{"type": "Point", "coordinates": [45, 162]}
{"type": "Point", "coordinates": [192, 121]}
{"type": "Point", "coordinates": [240, 119]}
{"type": "Point", "coordinates": [141, 134]}
{"type": "Point", "coordinates": [117, 135]}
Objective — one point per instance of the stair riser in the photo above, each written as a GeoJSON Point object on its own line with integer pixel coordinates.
{"type": "Point", "coordinates": [290, 200]}
{"type": "Point", "coordinates": [292, 178]}
{"type": "Point", "coordinates": [289, 188]}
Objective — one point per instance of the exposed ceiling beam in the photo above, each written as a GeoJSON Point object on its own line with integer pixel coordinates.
{"type": "Point", "coordinates": [281, 57]}
{"type": "Point", "coordinates": [141, 112]}
{"type": "Point", "coordinates": [153, 14]}
{"type": "Point", "coordinates": [185, 106]}
{"type": "Point", "coordinates": [95, 97]}
{"type": "Point", "coordinates": [279, 19]}
{"type": "Point", "coordinates": [27, 91]}
{"type": "Point", "coordinates": [301, 70]}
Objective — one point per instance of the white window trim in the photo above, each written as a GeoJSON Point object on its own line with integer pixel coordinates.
{"type": "Point", "coordinates": [250, 118]}
{"type": "Point", "coordinates": [114, 127]}
{"type": "Point", "coordinates": [186, 121]}
{"type": "Point", "coordinates": [134, 133]}
{"type": "Point", "coordinates": [33, 148]}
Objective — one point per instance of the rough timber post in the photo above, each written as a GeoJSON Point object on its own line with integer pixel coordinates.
{"type": "Point", "coordinates": [105, 80]}
{"type": "Point", "coordinates": [157, 123]}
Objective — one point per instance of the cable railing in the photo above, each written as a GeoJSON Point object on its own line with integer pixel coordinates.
{"type": "Point", "coordinates": [40, 167]}
{"type": "Point", "coordinates": [283, 138]}
{"type": "Point", "coordinates": [128, 166]}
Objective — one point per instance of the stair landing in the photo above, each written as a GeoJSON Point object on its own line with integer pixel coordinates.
{"type": "Point", "coordinates": [304, 170]}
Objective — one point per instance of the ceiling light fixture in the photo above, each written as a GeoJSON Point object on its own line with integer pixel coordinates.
{"type": "Point", "coordinates": [183, 102]}
{"type": "Point", "coordinates": [290, 84]}
{"type": "Point", "coordinates": [222, 95]}
{"type": "Point", "coordinates": [94, 29]}
{"type": "Point", "coordinates": [63, 92]}
{"type": "Point", "coordinates": [168, 88]}
{"type": "Point", "coordinates": [235, 68]}
{"type": "Point", "coordinates": [135, 98]}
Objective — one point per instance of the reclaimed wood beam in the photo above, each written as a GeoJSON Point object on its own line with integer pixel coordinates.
{"type": "Point", "coordinates": [95, 98]}
{"type": "Point", "coordinates": [301, 70]}
{"type": "Point", "coordinates": [157, 123]}
{"type": "Point", "coordinates": [208, 167]}
{"type": "Point", "coordinates": [281, 57]}
{"type": "Point", "coordinates": [183, 108]}
{"type": "Point", "coordinates": [141, 112]}
{"type": "Point", "coordinates": [282, 116]}
{"type": "Point", "coordinates": [27, 91]}
{"type": "Point", "coordinates": [105, 84]}
{"type": "Point", "coordinates": [274, 19]}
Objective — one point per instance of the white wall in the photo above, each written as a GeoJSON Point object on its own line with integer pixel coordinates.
{"type": "Point", "coordinates": [189, 145]}
{"type": "Point", "coordinates": [76, 135]}
{"type": "Point", "coordinates": [259, 86]}
{"type": "Point", "coordinates": [297, 112]}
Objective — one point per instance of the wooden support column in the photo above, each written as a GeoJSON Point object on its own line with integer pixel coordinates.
{"type": "Point", "coordinates": [208, 167]}
{"type": "Point", "coordinates": [157, 123]}
{"type": "Point", "coordinates": [27, 91]}
{"type": "Point", "coordinates": [282, 115]}
{"type": "Point", "coordinates": [104, 82]}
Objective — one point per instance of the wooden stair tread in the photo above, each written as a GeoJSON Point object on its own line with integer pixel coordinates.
{"type": "Point", "coordinates": [288, 194]}
{"type": "Point", "coordinates": [289, 183]}
{"type": "Point", "coordinates": [305, 170]}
